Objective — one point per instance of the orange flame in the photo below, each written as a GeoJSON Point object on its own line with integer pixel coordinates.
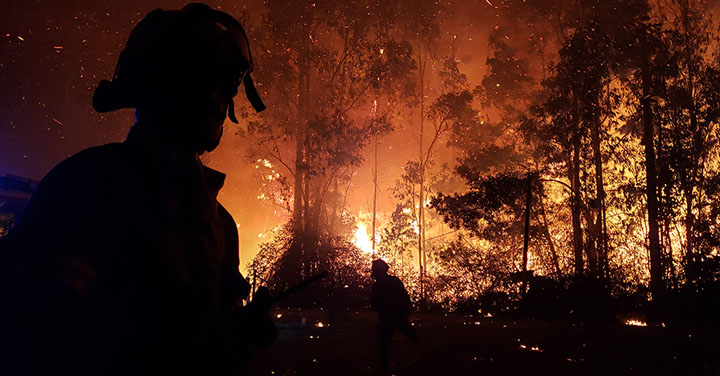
{"type": "Point", "coordinates": [361, 239]}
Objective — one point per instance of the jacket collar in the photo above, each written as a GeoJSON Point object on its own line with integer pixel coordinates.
{"type": "Point", "coordinates": [179, 172]}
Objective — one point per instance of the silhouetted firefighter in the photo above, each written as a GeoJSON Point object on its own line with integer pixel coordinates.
{"type": "Point", "coordinates": [392, 303]}
{"type": "Point", "coordinates": [124, 262]}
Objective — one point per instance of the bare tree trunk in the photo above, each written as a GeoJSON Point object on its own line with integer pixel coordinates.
{"type": "Point", "coordinates": [604, 262]}
{"type": "Point", "coordinates": [656, 273]}
{"type": "Point", "coordinates": [697, 140]}
{"type": "Point", "coordinates": [546, 232]}
{"type": "Point", "coordinates": [421, 213]}
{"type": "Point", "coordinates": [689, 228]}
{"type": "Point", "coordinates": [375, 189]}
{"type": "Point", "coordinates": [334, 209]}
{"type": "Point", "coordinates": [577, 228]}
{"type": "Point", "coordinates": [299, 153]}
{"type": "Point", "coordinates": [306, 204]}
{"type": "Point", "coordinates": [600, 236]}
{"type": "Point", "coordinates": [667, 244]}
{"type": "Point", "coordinates": [300, 193]}
{"type": "Point", "coordinates": [526, 239]}
{"type": "Point", "coordinates": [591, 258]}
{"type": "Point", "coordinates": [298, 189]}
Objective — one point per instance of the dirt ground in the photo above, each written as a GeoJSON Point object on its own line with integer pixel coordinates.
{"type": "Point", "coordinates": [344, 343]}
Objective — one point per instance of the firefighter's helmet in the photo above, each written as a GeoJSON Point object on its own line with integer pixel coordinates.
{"type": "Point", "coordinates": [176, 50]}
{"type": "Point", "coordinates": [379, 267]}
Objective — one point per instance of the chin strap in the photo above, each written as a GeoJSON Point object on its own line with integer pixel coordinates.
{"type": "Point", "coordinates": [236, 30]}
{"type": "Point", "coordinates": [252, 94]}
{"type": "Point", "coordinates": [231, 111]}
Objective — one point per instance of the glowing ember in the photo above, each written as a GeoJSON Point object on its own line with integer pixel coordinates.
{"type": "Point", "coordinates": [633, 322]}
{"type": "Point", "coordinates": [362, 240]}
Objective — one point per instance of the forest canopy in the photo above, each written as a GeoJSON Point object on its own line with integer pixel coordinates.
{"type": "Point", "coordinates": [587, 150]}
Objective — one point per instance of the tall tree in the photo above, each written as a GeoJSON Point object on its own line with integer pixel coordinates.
{"type": "Point", "coordinates": [322, 66]}
{"type": "Point", "coordinates": [686, 120]}
{"type": "Point", "coordinates": [648, 56]}
{"type": "Point", "coordinates": [421, 18]}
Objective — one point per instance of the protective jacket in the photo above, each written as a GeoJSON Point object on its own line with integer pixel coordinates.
{"type": "Point", "coordinates": [390, 299]}
{"type": "Point", "coordinates": [123, 263]}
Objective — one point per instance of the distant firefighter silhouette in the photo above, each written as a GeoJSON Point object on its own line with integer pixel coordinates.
{"type": "Point", "coordinates": [392, 303]}
{"type": "Point", "coordinates": [124, 262]}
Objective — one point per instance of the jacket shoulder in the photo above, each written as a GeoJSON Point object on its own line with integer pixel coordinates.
{"type": "Point", "coordinates": [94, 157]}
{"type": "Point", "coordinates": [86, 169]}
{"type": "Point", "coordinates": [72, 181]}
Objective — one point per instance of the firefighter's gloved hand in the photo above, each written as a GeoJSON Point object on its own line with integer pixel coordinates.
{"type": "Point", "coordinates": [261, 299]}
{"type": "Point", "coordinates": [254, 324]}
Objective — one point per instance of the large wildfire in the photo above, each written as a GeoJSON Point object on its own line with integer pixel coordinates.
{"type": "Point", "coordinates": [362, 240]}
{"type": "Point", "coordinates": [468, 144]}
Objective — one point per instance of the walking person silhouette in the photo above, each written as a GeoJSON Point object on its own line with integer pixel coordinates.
{"type": "Point", "coordinates": [393, 306]}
